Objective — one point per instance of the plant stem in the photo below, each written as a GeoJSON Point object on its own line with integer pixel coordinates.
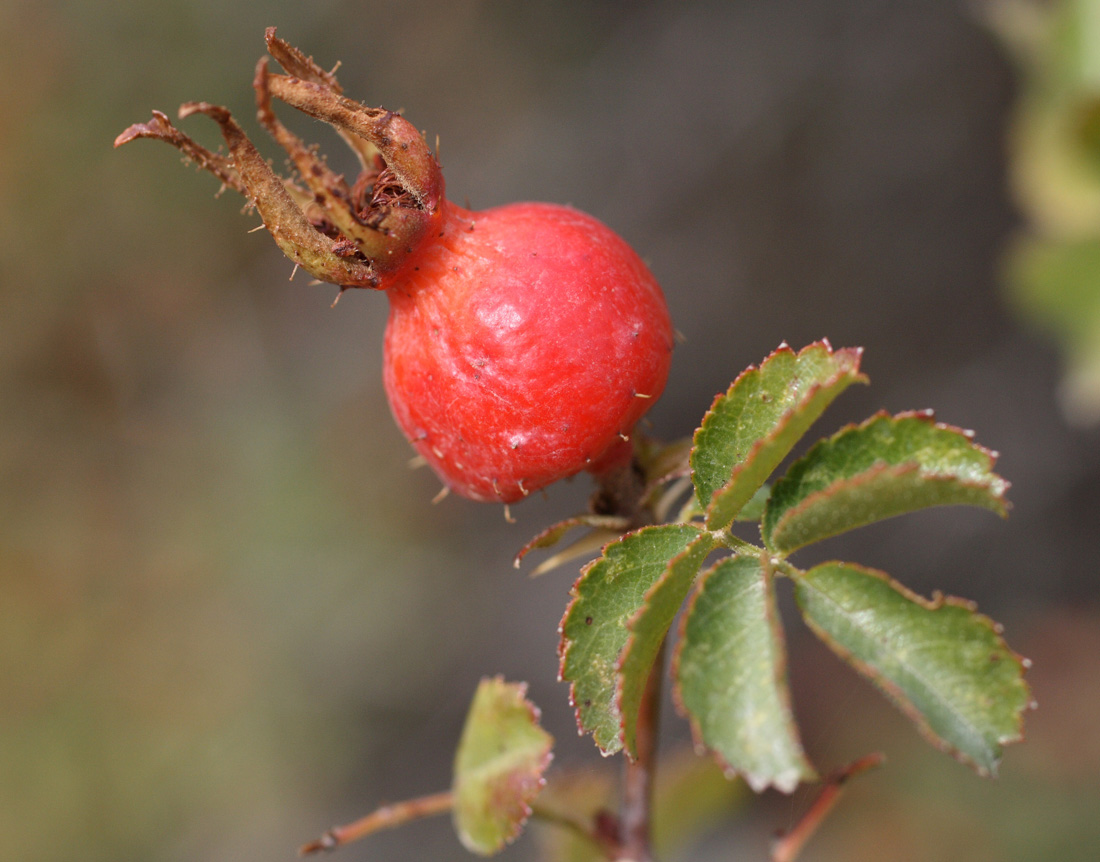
{"type": "Point", "coordinates": [386, 817]}
{"type": "Point", "coordinates": [790, 845]}
{"type": "Point", "coordinates": [634, 816]}
{"type": "Point", "coordinates": [621, 491]}
{"type": "Point", "coordinates": [740, 545]}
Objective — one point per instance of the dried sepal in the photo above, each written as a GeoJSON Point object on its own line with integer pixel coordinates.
{"type": "Point", "coordinates": [295, 63]}
{"type": "Point", "coordinates": [349, 235]}
{"type": "Point", "coordinates": [160, 128]}
{"type": "Point", "coordinates": [298, 64]}
{"type": "Point", "coordinates": [329, 191]}
{"type": "Point", "coordinates": [298, 239]}
{"type": "Point", "coordinates": [401, 145]}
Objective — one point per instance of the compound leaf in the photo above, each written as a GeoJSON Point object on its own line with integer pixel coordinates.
{"type": "Point", "coordinates": [594, 630]}
{"type": "Point", "coordinates": [945, 665]}
{"type": "Point", "coordinates": [730, 669]}
{"type": "Point", "coordinates": [499, 766]}
{"type": "Point", "coordinates": [887, 466]}
{"type": "Point", "coordinates": [752, 427]}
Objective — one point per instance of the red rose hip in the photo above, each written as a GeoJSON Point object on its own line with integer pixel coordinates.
{"type": "Point", "coordinates": [523, 347]}
{"type": "Point", "coordinates": [523, 342]}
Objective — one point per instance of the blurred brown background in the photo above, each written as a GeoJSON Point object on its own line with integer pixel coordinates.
{"type": "Point", "coordinates": [229, 616]}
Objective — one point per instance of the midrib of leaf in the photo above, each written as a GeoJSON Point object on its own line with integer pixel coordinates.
{"type": "Point", "coordinates": [501, 763]}
{"type": "Point", "coordinates": [745, 719]}
{"type": "Point", "coordinates": [887, 466]}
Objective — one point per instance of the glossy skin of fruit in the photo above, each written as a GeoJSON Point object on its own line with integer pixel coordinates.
{"type": "Point", "coordinates": [522, 346]}
{"type": "Point", "coordinates": [523, 342]}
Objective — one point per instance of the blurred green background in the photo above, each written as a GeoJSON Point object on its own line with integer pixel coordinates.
{"type": "Point", "coordinates": [229, 614]}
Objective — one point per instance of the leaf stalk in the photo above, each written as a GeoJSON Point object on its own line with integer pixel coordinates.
{"type": "Point", "coordinates": [386, 817]}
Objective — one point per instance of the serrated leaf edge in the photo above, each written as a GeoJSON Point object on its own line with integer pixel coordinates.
{"type": "Point", "coordinates": [784, 421]}
{"type": "Point", "coordinates": [893, 692]}
{"type": "Point", "coordinates": [783, 686]}
{"type": "Point", "coordinates": [998, 486]}
{"type": "Point", "coordinates": [565, 644]}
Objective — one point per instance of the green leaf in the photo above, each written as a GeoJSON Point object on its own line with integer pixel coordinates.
{"type": "Point", "coordinates": [754, 509]}
{"type": "Point", "coordinates": [887, 466]}
{"type": "Point", "coordinates": [730, 669]}
{"type": "Point", "coordinates": [648, 628]}
{"type": "Point", "coordinates": [608, 594]}
{"type": "Point", "coordinates": [750, 429]}
{"type": "Point", "coordinates": [943, 663]}
{"type": "Point", "coordinates": [499, 766]}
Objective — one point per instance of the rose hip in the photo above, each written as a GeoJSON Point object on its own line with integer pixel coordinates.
{"type": "Point", "coordinates": [523, 343]}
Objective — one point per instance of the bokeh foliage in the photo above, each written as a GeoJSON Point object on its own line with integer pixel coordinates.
{"type": "Point", "coordinates": [1053, 269]}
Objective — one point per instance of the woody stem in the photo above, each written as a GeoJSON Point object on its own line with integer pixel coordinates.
{"type": "Point", "coordinates": [638, 774]}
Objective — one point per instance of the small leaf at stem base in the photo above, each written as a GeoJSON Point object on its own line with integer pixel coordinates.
{"type": "Point", "coordinates": [499, 766]}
